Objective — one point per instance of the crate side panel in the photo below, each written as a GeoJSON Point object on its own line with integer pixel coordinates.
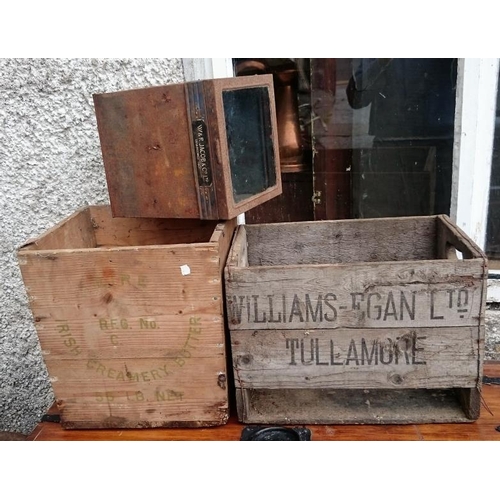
{"type": "Point", "coordinates": [377, 295]}
{"type": "Point", "coordinates": [356, 359]}
{"type": "Point", "coordinates": [136, 231]}
{"type": "Point", "coordinates": [195, 334]}
{"type": "Point", "coordinates": [222, 237]}
{"type": "Point", "coordinates": [74, 232]}
{"type": "Point", "coordinates": [238, 253]}
{"type": "Point", "coordinates": [139, 392]}
{"type": "Point", "coordinates": [330, 242]}
{"type": "Point", "coordinates": [124, 282]}
{"type": "Point", "coordinates": [94, 310]}
{"type": "Point", "coordinates": [321, 406]}
{"type": "Point", "coordinates": [451, 234]}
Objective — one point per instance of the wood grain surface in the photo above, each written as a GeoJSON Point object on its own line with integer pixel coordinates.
{"type": "Point", "coordinates": [321, 311]}
{"type": "Point", "coordinates": [407, 294]}
{"type": "Point", "coordinates": [484, 429]}
{"type": "Point", "coordinates": [355, 359]}
{"type": "Point", "coordinates": [131, 320]}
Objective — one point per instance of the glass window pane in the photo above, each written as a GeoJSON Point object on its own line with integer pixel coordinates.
{"type": "Point", "coordinates": [403, 114]}
{"type": "Point", "coordinates": [374, 136]}
{"type": "Point", "coordinates": [249, 137]}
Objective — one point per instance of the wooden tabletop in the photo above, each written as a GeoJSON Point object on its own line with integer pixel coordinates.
{"type": "Point", "coordinates": [484, 429]}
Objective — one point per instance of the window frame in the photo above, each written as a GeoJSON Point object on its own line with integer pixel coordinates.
{"type": "Point", "coordinates": [477, 81]}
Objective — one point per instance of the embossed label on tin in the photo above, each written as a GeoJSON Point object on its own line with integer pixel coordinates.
{"type": "Point", "coordinates": [202, 153]}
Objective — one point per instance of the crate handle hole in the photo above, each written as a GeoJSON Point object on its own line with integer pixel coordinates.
{"type": "Point", "coordinates": [453, 253]}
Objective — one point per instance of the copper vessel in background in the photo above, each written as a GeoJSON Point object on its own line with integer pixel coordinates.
{"type": "Point", "coordinates": [285, 78]}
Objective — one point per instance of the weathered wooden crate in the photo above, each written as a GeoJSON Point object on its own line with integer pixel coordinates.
{"type": "Point", "coordinates": [356, 321]}
{"type": "Point", "coordinates": [130, 317]}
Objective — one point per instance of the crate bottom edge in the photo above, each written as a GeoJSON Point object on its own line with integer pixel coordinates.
{"type": "Point", "coordinates": [343, 406]}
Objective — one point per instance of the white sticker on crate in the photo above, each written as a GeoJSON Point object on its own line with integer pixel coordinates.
{"type": "Point", "coordinates": [185, 270]}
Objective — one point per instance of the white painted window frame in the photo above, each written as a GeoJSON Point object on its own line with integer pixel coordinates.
{"type": "Point", "coordinates": [477, 82]}
{"type": "Point", "coordinates": [204, 69]}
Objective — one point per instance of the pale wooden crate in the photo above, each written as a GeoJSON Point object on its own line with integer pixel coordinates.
{"type": "Point", "coordinates": [356, 321]}
{"type": "Point", "coordinates": [130, 317]}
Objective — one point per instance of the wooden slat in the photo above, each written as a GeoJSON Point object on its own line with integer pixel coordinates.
{"type": "Point", "coordinates": [130, 231]}
{"type": "Point", "coordinates": [343, 241]}
{"type": "Point", "coordinates": [73, 232]}
{"type": "Point", "coordinates": [126, 283]}
{"type": "Point", "coordinates": [126, 336]}
{"type": "Point", "coordinates": [377, 295]}
{"type": "Point", "coordinates": [157, 392]}
{"type": "Point", "coordinates": [223, 237]}
{"type": "Point", "coordinates": [451, 235]}
{"type": "Point", "coordinates": [320, 406]}
{"type": "Point", "coordinates": [238, 255]}
{"type": "Point", "coordinates": [484, 429]}
{"type": "Point", "coordinates": [356, 359]}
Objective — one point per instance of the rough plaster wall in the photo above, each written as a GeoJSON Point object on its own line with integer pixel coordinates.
{"type": "Point", "coordinates": [50, 165]}
{"type": "Point", "coordinates": [492, 326]}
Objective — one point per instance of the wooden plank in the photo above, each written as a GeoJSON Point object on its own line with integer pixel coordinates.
{"type": "Point", "coordinates": [75, 231]}
{"type": "Point", "coordinates": [167, 334]}
{"type": "Point", "coordinates": [450, 240]}
{"type": "Point", "coordinates": [162, 396]}
{"type": "Point", "coordinates": [377, 295]}
{"type": "Point", "coordinates": [451, 235]}
{"type": "Point", "coordinates": [222, 237]}
{"type": "Point", "coordinates": [123, 283]}
{"type": "Point", "coordinates": [238, 255]}
{"type": "Point", "coordinates": [356, 359]}
{"type": "Point", "coordinates": [484, 429]}
{"type": "Point", "coordinates": [323, 406]}
{"type": "Point", "coordinates": [330, 242]}
{"type": "Point", "coordinates": [132, 231]}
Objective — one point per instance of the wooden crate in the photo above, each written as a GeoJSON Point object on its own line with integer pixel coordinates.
{"type": "Point", "coordinates": [130, 317]}
{"type": "Point", "coordinates": [356, 321]}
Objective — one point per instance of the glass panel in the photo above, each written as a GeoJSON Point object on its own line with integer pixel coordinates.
{"type": "Point", "coordinates": [362, 138]}
{"type": "Point", "coordinates": [493, 225]}
{"type": "Point", "coordinates": [401, 113]}
{"type": "Point", "coordinates": [249, 138]}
